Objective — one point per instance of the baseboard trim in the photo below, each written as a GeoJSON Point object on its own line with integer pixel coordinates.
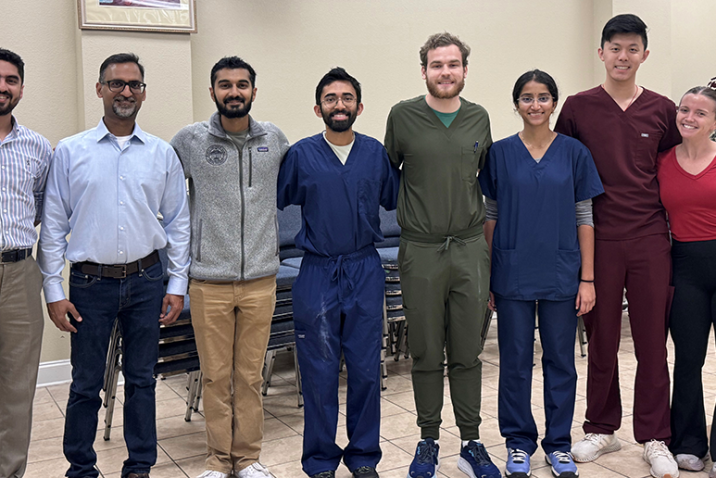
{"type": "Point", "coordinates": [54, 373]}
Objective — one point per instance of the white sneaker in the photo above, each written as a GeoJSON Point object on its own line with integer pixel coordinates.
{"type": "Point", "coordinates": [657, 454]}
{"type": "Point", "coordinates": [213, 474]}
{"type": "Point", "coordinates": [712, 473]}
{"type": "Point", "coordinates": [254, 470]}
{"type": "Point", "coordinates": [594, 445]}
{"type": "Point", "coordinates": [689, 462]}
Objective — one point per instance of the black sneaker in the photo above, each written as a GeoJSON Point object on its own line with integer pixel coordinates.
{"type": "Point", "coordinates": [365, 472]}
{"type": "Point", "coordinates": [325, 474]}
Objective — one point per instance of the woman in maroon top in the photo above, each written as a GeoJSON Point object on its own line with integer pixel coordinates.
{"type": "Point", "coordinates": [687, 183]}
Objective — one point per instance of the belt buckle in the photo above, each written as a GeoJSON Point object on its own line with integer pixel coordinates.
{"type": "Point", "coordinates": [123, 271]}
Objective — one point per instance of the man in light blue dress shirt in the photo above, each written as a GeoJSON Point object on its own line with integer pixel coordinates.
{"type": "Point", "coordinates": [107, 186]}
{"type": "Point", "coordinates": [24, 161]}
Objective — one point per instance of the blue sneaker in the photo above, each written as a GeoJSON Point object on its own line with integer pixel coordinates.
{"type": "Point", "coordinates": [475, 462]}
{"type": "Point", "coordinates": [518, 464]}
{"type": "Point", "coordinates": [426, 463]}
{"type": "Point", "coordinates": [562, 464]}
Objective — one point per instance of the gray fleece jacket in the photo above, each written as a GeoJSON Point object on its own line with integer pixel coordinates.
{"type": "Point", "coordinates": [232, 199]}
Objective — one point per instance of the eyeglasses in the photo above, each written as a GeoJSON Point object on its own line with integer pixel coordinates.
{"type": "Point", "coordinates": [712, 83]}
{"type": "Point", "coordinates": [118, 85]}
{"type": "Point", "coordinates": [528, 100]}
{"type": "Point", "coordinates": [331, 101]}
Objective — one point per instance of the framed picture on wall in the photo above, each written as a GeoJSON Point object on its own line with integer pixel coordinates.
{"type": "Point", "coordinates": [138, 15]}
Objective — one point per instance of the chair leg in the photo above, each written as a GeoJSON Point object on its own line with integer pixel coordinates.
{"type": "Point", "coordinates": [199, 389]}
{"type": "Point", "coordinates": [268, 370]}
{"type": "Point", "coordinates": [112, 392]}
{"type": "Point", "coordinates": [299, 385]}
{"type": "Point", "coordinates": [581, 336]}
{"type": "Point", "coordinates": [191, 395]}
{"type": "Point", "coordinates": [111, 359]}
{"type": "Point", "coordinates": [486, 327]}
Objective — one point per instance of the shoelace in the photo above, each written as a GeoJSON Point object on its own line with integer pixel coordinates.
{"type": "Point", "coordinates": [563, 457]}
{"type": "Point", "coordinates": [426, 453]}
{"type": "Point", "coordinates": [362, 469]}
{"type": "Point", "coordinates": [257, 469]}
{"type": "Point", "coordinates": [658, 448]}
{"type": "Point", "coordinates": [478, 453]}
{"type": "Point", "coordinates": [592, 437]}
{"type": "Point", "coordinates": [518, 456]}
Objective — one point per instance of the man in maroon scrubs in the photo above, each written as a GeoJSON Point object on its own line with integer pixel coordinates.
{"type": "Point", "coordinates": [625, 126]}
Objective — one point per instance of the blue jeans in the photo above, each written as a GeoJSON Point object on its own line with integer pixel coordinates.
{"type": "Point", "coordinates": [136, 303]}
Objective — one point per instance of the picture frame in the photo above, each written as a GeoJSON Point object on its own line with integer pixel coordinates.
{"type": "Point", "coordinates": [171, 16]}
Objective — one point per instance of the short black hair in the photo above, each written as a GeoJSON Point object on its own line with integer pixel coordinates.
{"type": "Point", "coordinates": [119, 58]}
{"type": "Point", "coordinates": [233, 63]}
{"type": "Point", "coordinates": [540, 77]}
{"type": "Point", "coordinates": [337, 74]}
{"type": "Point", "coordinates": [625, 23]}
{"type": "Point", "coordinates": [14, 58]}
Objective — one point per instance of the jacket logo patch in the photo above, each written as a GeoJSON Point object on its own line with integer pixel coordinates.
{"type": "Point", "coordinates": [216, 155]}
{"type": "Point", "coordinates": [645, 135]}
{"type": "Point", "coordinates": [262, 149]}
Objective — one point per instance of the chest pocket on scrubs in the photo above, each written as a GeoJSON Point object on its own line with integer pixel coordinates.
{"type": "Point", "coordinates": [470, 160]}
{"type": "Point", "coordinates": [368, 197]}
{"type": "Point", "coordinates": [646, 148]}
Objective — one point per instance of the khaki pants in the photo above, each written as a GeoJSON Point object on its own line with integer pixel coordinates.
{"type": "Point", "coordinates": [21, 325]}
{"type": "Point", "coordinates": [232, 322]}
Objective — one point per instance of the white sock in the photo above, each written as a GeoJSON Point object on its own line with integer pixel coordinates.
{"type": "Point", "coordinates": [465, 442]}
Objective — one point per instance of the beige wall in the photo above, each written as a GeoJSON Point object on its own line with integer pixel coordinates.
{"type": "Point", "coordinates": [292, 43]}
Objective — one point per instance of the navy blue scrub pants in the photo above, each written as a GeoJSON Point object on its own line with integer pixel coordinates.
{"type": "Point", "coordinates": [515, 333]}
{"type": "Point", "coordinates": [338, 306]}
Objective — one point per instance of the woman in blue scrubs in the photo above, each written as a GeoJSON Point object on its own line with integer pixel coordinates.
{"type": "Point", "coordinates": [538, 187]}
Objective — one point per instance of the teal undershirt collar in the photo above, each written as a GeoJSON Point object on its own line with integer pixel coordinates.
{"type": "Point", "coordinates": [446, 118]}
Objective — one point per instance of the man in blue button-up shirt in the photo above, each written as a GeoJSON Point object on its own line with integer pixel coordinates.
{"type": "Point", "coordinates": [107, 186]}
{"type": "Point", "coordinates": [24, 160]}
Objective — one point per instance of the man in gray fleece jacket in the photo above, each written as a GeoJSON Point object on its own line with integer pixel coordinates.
{"type": "Point", "coordinates": [232, 163]}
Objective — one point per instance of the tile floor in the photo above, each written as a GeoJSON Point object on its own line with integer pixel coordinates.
{"type": "Point", "coordinates": [181, 444]}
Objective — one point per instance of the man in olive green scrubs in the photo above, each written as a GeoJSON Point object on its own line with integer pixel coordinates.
{"type": "Point", "coordinates": [441, 141]}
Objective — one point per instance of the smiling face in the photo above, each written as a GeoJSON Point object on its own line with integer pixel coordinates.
{"type": "Point", "coordinates": [125, 104]}
{"type": "Point", "coordinates": [338, 115]}
{"type": "Point", "coordinates": [233, 92]}
{"type": "Point", "coordinates": [622, 56]}
{"type": "Point", "coordinates": [11, 87]}
{"type": "Point", "coordinates": [445, 74]}
{"type": "Point", "coordinates": [535, 104]}
{"type": "Point", "coordinates": [696, 117]}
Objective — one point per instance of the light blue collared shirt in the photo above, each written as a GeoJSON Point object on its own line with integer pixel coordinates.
{"type": "Point", "coordinates": [24, 161]}
{"type": "Point", "coordinates": [109, 198]}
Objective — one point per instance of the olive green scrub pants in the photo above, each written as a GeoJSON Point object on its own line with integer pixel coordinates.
{"type": "Point", "coordinates": [445, 292]}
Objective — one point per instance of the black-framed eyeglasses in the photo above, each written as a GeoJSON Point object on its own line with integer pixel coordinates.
{"type": "Point", "coordinates": [331, 101]}
{"type": "Point", "coordinates": [118, 85]}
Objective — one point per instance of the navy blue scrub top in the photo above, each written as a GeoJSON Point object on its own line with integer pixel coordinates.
{"type": "Point", "coordinates": [535, 249]}
{"type": "Point", "coordinates": [339, 202]}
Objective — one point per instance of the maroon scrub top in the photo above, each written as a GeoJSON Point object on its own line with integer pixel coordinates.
{"type": "Point", "coordinates": [624, 145]}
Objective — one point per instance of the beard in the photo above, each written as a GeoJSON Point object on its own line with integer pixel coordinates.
{"type": "Point", "coordinates": [11, 104]}
{"type": "Point", "coordinates": [124, 111]}
{"type": "Point", "coordinates": [336, 125]}
{"type": "Point", "coordinates": [233, 111]}
{"type": "Point", "coordinates": [442, 94]}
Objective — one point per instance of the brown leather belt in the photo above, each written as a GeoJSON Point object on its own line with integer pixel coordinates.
{"type": "Point", "coordinates": [117, 271]}
{"type": "Point", "coordinates": [16, 255]}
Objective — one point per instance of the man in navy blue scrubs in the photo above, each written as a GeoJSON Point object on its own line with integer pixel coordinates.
{"type": "Point", "coordinates": [339, 178]}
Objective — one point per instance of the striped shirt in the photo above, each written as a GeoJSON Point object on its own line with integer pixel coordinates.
{"type": "Point", "coordinates": [24, 162]}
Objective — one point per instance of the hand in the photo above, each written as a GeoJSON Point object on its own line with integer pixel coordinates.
{"type": "Point", "coordinates": [586, 298]}
{"type": "Point", "coordinates": [175, 303]}
{"type": "Point", "coordinates": [491, 303]}
{"type": "Point", "coordinates": [58, 314]}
